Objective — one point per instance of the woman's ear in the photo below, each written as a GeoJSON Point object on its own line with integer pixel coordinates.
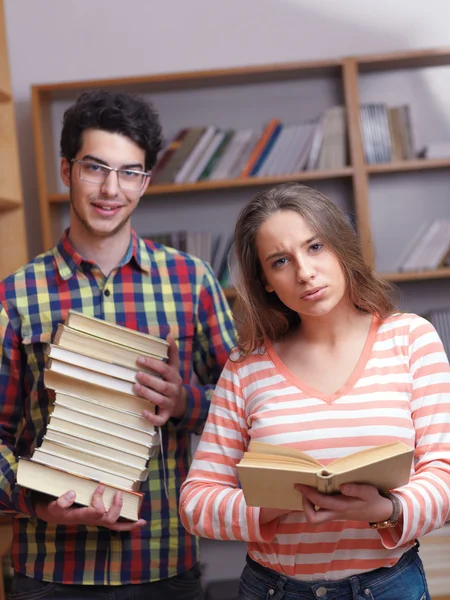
{"type": "Point", "coordinates": [268, 288]}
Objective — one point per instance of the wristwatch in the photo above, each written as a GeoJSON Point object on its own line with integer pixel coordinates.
{"type": "Point", "coordinates": [393, 519]}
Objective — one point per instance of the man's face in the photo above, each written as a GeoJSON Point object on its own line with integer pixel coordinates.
{"type": "Point", "coordinates": [103, 210]}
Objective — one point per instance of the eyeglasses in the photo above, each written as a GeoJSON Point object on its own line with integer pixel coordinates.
{"type": "Point", "coordinates": [128, 179]}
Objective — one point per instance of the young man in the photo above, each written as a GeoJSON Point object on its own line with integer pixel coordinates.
{"type": "Point", "coordinates": [109, 145]}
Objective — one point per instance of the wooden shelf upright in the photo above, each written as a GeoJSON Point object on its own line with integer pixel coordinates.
{"type": "Point", "coordinates": [13, 251]}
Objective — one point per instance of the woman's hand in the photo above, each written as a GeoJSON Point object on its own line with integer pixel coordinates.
{"type": "Point", "coordinates": [356, 502]}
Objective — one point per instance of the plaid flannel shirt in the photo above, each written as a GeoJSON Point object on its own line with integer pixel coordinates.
{"type": "Point", "coordinates": [157, 290]}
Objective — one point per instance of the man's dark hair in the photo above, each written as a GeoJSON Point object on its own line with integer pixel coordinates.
{"type": "Point", "coordinates": [116, 112]}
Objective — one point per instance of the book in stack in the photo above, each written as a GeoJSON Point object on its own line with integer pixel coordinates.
{"type": "Point", "coordinates": [96, 433]}
{"type": "Point", "coordinates": [386, 467]}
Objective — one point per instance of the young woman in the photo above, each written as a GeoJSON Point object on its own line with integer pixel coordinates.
{"type": "Point", "coordinates": [324, 365]}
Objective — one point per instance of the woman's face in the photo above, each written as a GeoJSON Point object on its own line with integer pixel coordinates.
{"type": "Point", "coordinates": [298, 267]}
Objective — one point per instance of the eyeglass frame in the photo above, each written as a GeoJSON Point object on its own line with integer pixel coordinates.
{"type": "Point", "coordinates": [80, 161]}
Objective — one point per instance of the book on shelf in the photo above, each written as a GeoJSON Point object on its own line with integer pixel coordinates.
{"type": "Point", "coordinates": [268, 473]}
{"type": "Point", "coordinates": [387, 133]}
{"type": "Point", "coordinates": [428, 248]}
{"type": "Point", "coordinates": [96, 432]}
{"type": "Point", "coordinates": [214, 154]}
{"type": "Point", "coordinates": [56, 481]}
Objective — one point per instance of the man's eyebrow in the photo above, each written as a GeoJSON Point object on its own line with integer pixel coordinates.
{"type": "Point", "coordinates": [103, 162]}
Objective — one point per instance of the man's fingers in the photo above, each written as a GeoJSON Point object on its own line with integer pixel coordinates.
{"type": "Point", "coordinates": [65, 501]}
{"type": "Point", "coordinates": [173, 356]}
{"type": "Point", "coordinates": [113, 512]}
{"type": "Point", "coordinates": [127, 526]}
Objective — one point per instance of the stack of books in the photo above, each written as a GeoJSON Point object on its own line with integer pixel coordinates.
{"type": "Point", "coordinates": [96, 432]}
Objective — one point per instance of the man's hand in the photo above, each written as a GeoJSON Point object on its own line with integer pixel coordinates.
{"type": "Point", "coordinates": [167, 393]}
{"type": "Point", "coordinates": [61, 511]}
{"type": "Point", "coordinates": [356, 502]}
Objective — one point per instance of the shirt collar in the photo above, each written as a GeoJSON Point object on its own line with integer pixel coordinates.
{"type": "Point", "coordinates": [68, 260]}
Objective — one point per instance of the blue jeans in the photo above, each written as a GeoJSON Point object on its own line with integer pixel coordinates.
{"type": "Point", "coordinates": [186, 586]}
{"type": "Point", "coordinates": [404, 581]}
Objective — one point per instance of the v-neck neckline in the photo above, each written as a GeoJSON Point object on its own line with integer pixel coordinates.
{"type": "Point", "coordinates": [347, 386]}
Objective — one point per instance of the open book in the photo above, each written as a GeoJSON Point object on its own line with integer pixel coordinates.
{"type": "Point", "coordinates": [268, 472]}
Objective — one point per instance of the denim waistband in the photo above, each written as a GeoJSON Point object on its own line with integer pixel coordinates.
{"type": "Point", "coordinates": [346, 585]}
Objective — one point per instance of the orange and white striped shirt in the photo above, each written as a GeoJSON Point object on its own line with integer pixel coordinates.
{"type": "Point", "coordinates": [399, 390]}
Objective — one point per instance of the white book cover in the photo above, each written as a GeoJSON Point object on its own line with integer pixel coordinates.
{"type": "Point", "coordinates": [195, 155]}
{"type": "Point", "coordinates": [226, 159]}
{"type": "Point", "coordinates": [284, 154]}
{"type": "Point", "coordinates": [277, 150]}
{"type": "Point", "coordinates": [316, 146]}
{"type": "Point", "coordinates": [440, 245]}
{"type": "Point", "coordinates": [206, 157]}
{"type": "Point", "coordinates": [304, 143]}
{"type": "Point", "coordinates": [410, 246]}
{"type": "Point", "coordinates": [416, 258]}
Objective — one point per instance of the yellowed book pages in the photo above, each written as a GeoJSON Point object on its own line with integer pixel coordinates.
{"type": "Point", "coordinates": [118, 334]}
{"type": "Point", "coordinates": [269, 473]}
{"type": "Point", "coordinates": [55, 482]}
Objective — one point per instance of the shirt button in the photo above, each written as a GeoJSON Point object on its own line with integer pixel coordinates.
{"type": "Point", "coordinates": [107, 292]}
{"type": "Point", "coordinates": [321, 592]}
{"type": "Point", "coordinates": [271, 592]}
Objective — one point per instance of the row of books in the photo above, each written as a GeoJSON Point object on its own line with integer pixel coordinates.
{"type": "Point", "coordinates": [428, 248]}
{"type": "Point", "coordinates": [211, 248]}
{"type": "Point", "coordinates": [96, 432]}
{"type": "Point", "coordinates": [440, 319]}
{"type": "Point", "coordinates": [213, 154]}
{"type": "Point", "coordinates": [386, 133]}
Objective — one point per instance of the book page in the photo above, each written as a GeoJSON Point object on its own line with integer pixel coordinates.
{"type": "Point", "coordinates": [283, 452]}
{"type": "Point", "coordinates": [369, 457]}
{"type": "Point", "coordinates": [253, 459]}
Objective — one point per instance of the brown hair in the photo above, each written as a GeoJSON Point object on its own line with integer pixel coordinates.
{"type": "Point", "coordinates": [261, 314]}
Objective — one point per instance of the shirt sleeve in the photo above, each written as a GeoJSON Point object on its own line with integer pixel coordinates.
{"type": "Point", "coordinates": [425, 499]}
{"type": "Point", "coordinates": [13, 499]}
{"type": "Point", "coordinates": [212, 504]}
{"type": "Point", "coordinates": [214, 339]}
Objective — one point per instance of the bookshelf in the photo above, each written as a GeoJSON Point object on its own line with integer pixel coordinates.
{"type": "Point", "coordinates": [12, 227]}
{"type": "Point", "coordinates": [222, 97]}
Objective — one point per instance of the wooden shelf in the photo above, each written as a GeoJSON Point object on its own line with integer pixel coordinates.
{"type": "Point", "coordinates": [415, 59]}
{"type": "Point", "coordinates": [419, 164]}
{"type": "Point", "coordinates": [442, 273]}
{"type": "Point", "coordinates": [9, 203]}
{"type": "Point", "coordinates": [183, 188]}
{"type": "Point", "coordinates": [12, 219]}
{"type": "Point", "coordinates": [346, 72]}
{"type": "Point", "coordinates": [5, 96]}
{"type": "Point", "coordinates": [199, 79]}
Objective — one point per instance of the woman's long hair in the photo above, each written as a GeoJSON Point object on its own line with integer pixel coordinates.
{"type": "Point", "coordinates": [260, 314]}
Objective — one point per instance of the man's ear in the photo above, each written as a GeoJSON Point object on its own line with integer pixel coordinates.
{"type": "Point", "coordinates": [65, 171]}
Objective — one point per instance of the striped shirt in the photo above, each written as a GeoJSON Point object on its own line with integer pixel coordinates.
{"type": "Point", "coordinates": [399, 390]}
{"type": "Point", "coordinates": [156, 290]}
